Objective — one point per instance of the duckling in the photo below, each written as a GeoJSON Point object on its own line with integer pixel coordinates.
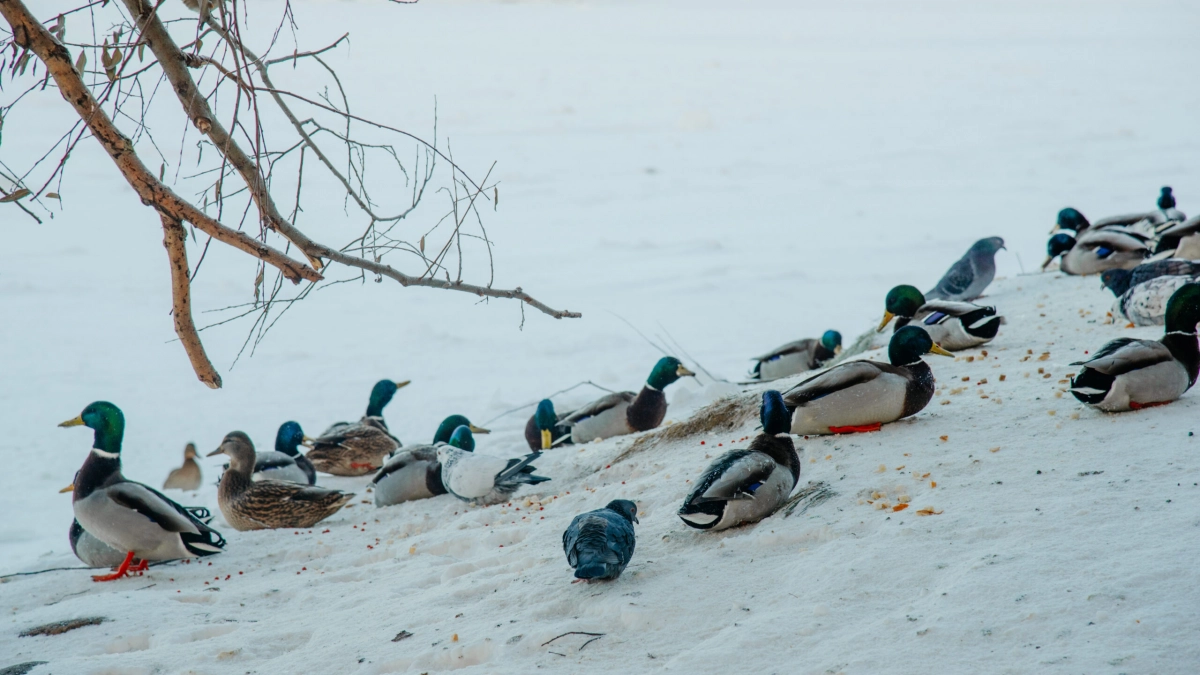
{"type": "Point", "coordinates": [745, 486]}
{"type": "Point", "coordinates": [624, 412]}
{"type": "Point", "coordinates": [599, 544]}
{"type": "Point", "coordinates": [358, 448]}
{"type": "Point", "coordinates": [268, 504]}
{"type": "Point", "coordinates": [797, 357]}
{"type": "Point", "coordinates": [125, 515]}
{"type": "Point", "coordinates": [1096, 251]}
{"type": "Point", "coordinates": [482, 479]}
{"type": "Point", "coordinates": [1129, 374]}
{"type": "Point", "coordinates": [544, 429]}
{"type": "Point", "coordinates": [953, 326]}
{"type": "Point", "coordinates": [858, 396]}
{"type": "Point", "coordinates": [414, 472]}
{"type": "Point", "coordinates": [286, 463]}
{"type": "Point", "coordinates": [1142, 293]}
{"type": "Point", "coordinates": [970, 276]}
{"type": "Point", "coordinates": [186, 477]}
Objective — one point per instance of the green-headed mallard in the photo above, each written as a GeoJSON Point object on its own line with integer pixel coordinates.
{"type": "Point", "coordinates": [797, 357]}
{"type": "Point", "coordinates": [186, 477]}
{"type": "Point", "coordinates": [358, 448]}
{"type": "Point", "coordinates": [745, 486]}
{"type": "Point", "coordinates": [862, 395]}
{"type": "Point", "coordinates": [1097, 250]}
{"type": "Point", "coordinates": [952, 325]}
{"type": "Point", "coordinates": [286, 462]}
{"type": "Point", "coordinates": [414, 472]}
{"type": "Point", "coordinates": [268, 504]}
{"type": "Point", "coordinates": [482, 479]}
{"type": "Point", "coordinates": [544, 429]}
{"type": "Point", "coordinates": [1129, 374]}
{"type": "Point", "coordinates": [624, 412]}
{"type": "Point", "coordinates": [125, 515]}
{"type": "Point", "coordinates": [971, 275]}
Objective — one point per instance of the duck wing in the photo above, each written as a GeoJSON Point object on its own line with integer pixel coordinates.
{"type": "Point", "coordinates": [1125, 355]}
{"type": "Point", "coordinates": [598, 406]}
{"type": "Point", "coordinates": [197, 537]}
{"type": "Point", "coordinates": [833, 380]}
{"type": "Point", "coordinates": [797, 347]}
{"type": "Point", "coordinates": [1113, 239]}
{"type": "Point", "coordinates": [404, 457]}
{"type": "Point", "coordinates": [734, 475]}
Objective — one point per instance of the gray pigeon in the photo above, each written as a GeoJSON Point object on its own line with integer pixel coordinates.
{"type": "Point", "coordinates": [967, 278]}
{"type": "Point", "coordinates": [600, 543]}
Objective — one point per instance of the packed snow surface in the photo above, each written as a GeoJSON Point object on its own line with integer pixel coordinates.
{"type": "Point", "coordinates": [729, 175]}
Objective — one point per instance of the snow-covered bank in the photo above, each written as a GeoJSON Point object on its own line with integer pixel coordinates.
{"type": "Point", "coordinates": [1062, 541]}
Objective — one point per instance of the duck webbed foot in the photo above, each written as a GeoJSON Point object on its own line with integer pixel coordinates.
{"type": "Point", "coordinates": [856, 428]}
{"type": "Point", "coordinates": [122, 570]}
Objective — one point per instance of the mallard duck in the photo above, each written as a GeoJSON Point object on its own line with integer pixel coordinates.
{"type": "Point", "coordinates": [1166, 204]}
{"type": "Point", "coordinates": [544, 429]}
{"type": "Point", "coordinates": [1129, 374]}
{"type": "Point", "coordinates": [482, 479]}
{"type": "Point", "coordinates": [797, 357]}
{"type": "Point", "coordinates": [125, 515]}
{"type": "Point", "coordinates": [745, 486]}
{"type": "Point", "coordinates": [952, 325]}
{"type": "Point", "coordinates": [1142, 293]}
{"type": "Point", "coordinates": [358, 448]}
{"type": "Point", "coordinates": [1096, 251]}
{"type": "Point", "coordinates": [414, 472]}
{"type": "Point", "coordinates": [861, 396]}
{"type": "Point", "coordinates": [624, 412]}
{"type": "Point", "coordinates": [285, 462]}
{"type": "Point", "coordinates": [599, 544]}
{"type": "Point", "coordinates": [971, 275]}
{"type": "Point", "coordinates": [186, 477]}
{"type": "Point", "coordinates": [1172, 237]}
{"type": "Point", "coordinates": [268, 504]}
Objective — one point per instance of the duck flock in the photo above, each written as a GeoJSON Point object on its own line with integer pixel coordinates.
{"type": "Point", "coordinates": [1150, 261]}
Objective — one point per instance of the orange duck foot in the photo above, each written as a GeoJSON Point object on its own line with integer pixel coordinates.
{"type": "Point", "coordinates": [363, 465]}
{"type": "Point", "coordinates": [1138, 406]}
{"type": "Point", "coordinates": [856, 428]}
{"type": "Point", "coordinates": [121, 571]}
{"type": "Point", "coordinates": [142, 566]}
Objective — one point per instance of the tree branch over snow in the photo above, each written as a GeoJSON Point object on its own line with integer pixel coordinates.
{"type": "Point", "coordinates": [237, 132]}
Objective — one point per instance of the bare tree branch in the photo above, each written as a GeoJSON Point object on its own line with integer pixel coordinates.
{"type": "Point", "coordinates": [175, 241]}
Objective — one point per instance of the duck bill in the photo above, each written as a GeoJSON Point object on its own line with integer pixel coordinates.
{"type": "Point", "coordinates": [937, 349]}
{"type": "Point", "coordinates": [73, 422]}
{"type": "Point", "coordinates": [837, 351]}
{"type": "Point", "coordinates": [478, 430]}
{"type": "Point", "coordinates": [214, 453]}
{"type": "Point", "coordinates": [547, 439]}
{"type": "Point", "coordinates": [1046, 263]}
{"type": "Point", "coordinates": [887, 318]}
{"type": "Point", "coordinates": [684, 372]}
{"type": "Point", "coordinates": [403, 384]}
{"type": "Point", "coordinates": [69, 488]}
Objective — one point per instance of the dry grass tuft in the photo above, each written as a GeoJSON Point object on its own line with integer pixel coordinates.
{"type": "Point", "coordinates": [727, 414]}
{"type": "Point", "coordinates": [60, 627]}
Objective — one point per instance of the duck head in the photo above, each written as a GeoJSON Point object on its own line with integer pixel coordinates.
{"type": "Point", "coordinates": [774, 414]}
{"type": "Point", "coordinates": [240, 449]}
{"type": "Point", "coordinates": [624, 507]}
{"type": "Point", "coordinates": [381, 395]}
{"type": "Point", "coordinates": [1058, 245]}
{"type": "Point", "coordinates": [1117, 281]}
{"type": "Point", "coordinates": [909, 344]}
{"type": "Point", "coordinates": [1070, 219]}
{"type": "Point", "coordinates": [1166, 200]}
{"type": "Point", "coordinates": [462, 439]}
{"type": "Point", "coordinates": [189, 452]}
{"type": "Point", "coordinates": [1183, 309]}
{"type": "Point", "coordinates": [832, 340]}
{"type": "Point", "coordinates": [446, 429]}
{"type": "Point", "coordinates": [106, 420]}
{"type": "Point", "coordinates": [902, 301]}
{"type": "Point", "coordinates": [546, 419]}
{"type": "Point", "coordinates": [667, 371]}
{"type": "Point", "coordinates": [289, 437]}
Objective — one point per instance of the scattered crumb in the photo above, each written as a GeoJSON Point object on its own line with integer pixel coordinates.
{"type": "Point", "coordinates": [944, 438]}
{"type": "Point", "coordinates": [928, 511]}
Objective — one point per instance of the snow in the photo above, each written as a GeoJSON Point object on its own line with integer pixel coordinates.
{"type": "Point", "coordinates": [735, 175]}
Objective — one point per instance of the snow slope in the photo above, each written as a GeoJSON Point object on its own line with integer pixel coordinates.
{"type": "Point", "coordinates": [1063, 542]}
{"type": "Point", "coordinates": [739, 175]}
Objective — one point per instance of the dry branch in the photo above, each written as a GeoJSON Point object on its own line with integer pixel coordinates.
{"type": "Point", "coordinates": [29, 33]}
{"type": "Point", "coordinates": [175, 240]}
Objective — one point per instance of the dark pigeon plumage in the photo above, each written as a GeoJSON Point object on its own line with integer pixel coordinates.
{"type": "Point", "coordinates": [1120, 281]}
{"type": "Point", "coordinates": [971, 275]}
{"type": "Point", "coordinates": [599, 544]}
